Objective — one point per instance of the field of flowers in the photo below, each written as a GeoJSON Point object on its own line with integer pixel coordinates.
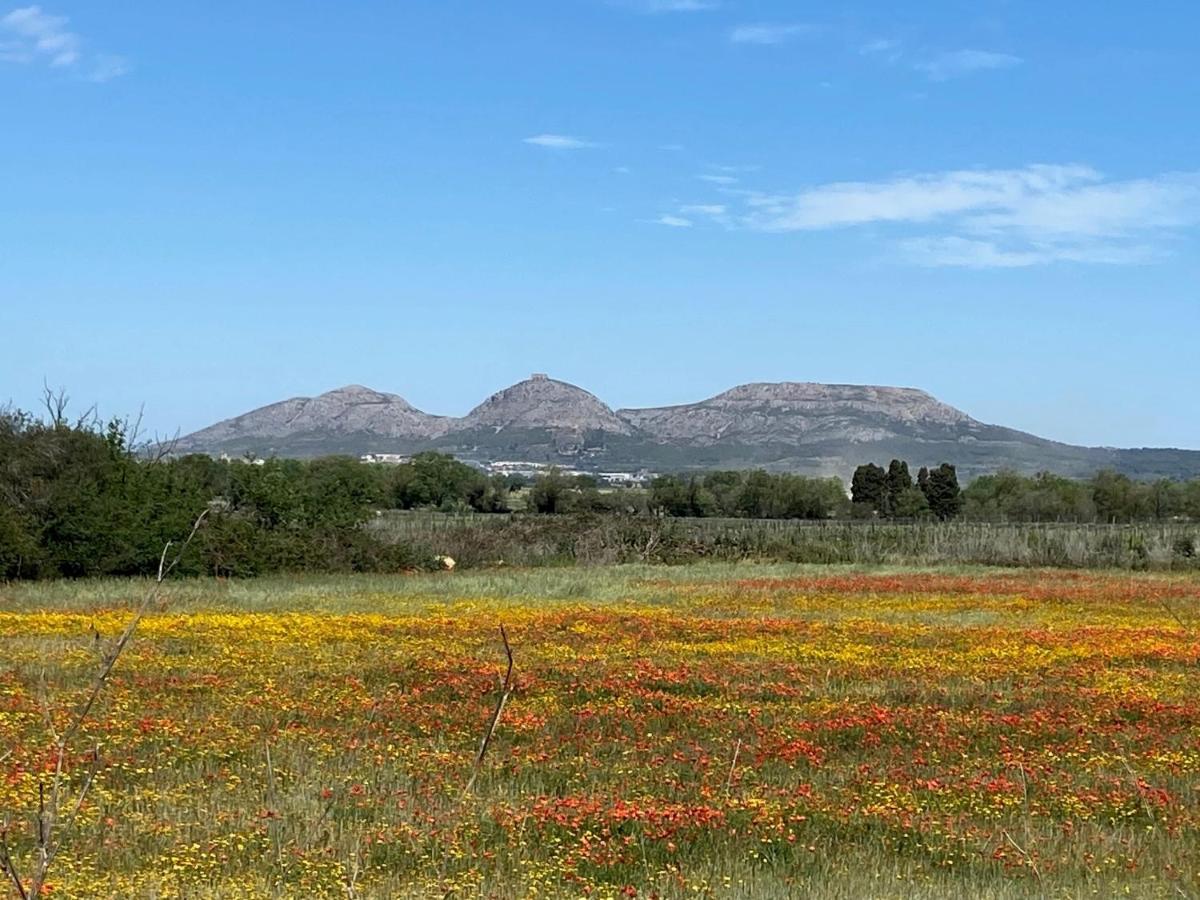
{"type": "Point", "coordinates": [724, 731]}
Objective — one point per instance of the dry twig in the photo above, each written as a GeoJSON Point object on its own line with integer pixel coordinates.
{"type": "Point", "coordinates": [501, 700]}
{"type": "Point", "coordinates": [733, 766]}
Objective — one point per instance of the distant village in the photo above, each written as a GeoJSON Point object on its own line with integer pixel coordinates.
{"type": "Point", "coordinates": [530, 470]}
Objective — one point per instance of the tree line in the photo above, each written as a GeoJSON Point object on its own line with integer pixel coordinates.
{"type": "Point", "coordinates": [749, 494]}
{"type": "Point", "coordinates": [82, 498]}
{"type": "Point", "coordinates": [1106, 497]}
{"type": "Point", "coordinates": [891, 493]}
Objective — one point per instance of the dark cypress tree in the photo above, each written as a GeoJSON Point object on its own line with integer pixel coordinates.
{"type": "Point", "coordinates": [923, 480]}
{"type": "Point", "coordinates": [945, 497]}
{"type": "Point", "coordinates": [897, 482]}
{"type": "Point", "coordinates": [869, 486]}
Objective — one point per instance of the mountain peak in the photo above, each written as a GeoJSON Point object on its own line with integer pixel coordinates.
{"type": "Point", "coordinates": [351, 394]}
{"type": "Point", "coordinates": [544, 402]}
{"type": "Point", "coordinates": [352, 411]}
{"type": "Point", "coordinates": [800, 412]}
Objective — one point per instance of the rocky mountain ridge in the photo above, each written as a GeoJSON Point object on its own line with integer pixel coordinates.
{"type": "Point", "coordinates": [796, 426]}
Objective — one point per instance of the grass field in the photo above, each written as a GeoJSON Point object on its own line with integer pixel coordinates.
{"type": "Point", "coordinates": [721, 730]}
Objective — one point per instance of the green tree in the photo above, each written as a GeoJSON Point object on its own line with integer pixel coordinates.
{"type": "Point", "coordinates": [868, 487]}
{"type": "Point", "coordinates": [911, 504]}
{"type": "Point", "coordinates": [551, 493]}
{"type": "Point", "coordinates": [943, 493]}
{"type": "Point", "coordinates": [897, 482]}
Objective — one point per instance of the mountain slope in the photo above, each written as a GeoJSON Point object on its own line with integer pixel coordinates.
{"type": "Point", "coordinates": [348, 419]}
{"type": "Point", "coordinates": [802, 412]}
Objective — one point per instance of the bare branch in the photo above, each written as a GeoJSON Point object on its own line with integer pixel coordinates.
{"type": "Point", "coordinates": [501, 700]}
{"type": "Point", "coordinates": [9, 868]}
{"type": "Point", "coordinates": [47, 847]}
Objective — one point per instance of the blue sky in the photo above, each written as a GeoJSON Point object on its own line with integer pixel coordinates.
{"type": "Point", "coordinates": [209, 207]}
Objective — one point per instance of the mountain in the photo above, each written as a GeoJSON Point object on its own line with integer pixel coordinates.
{"type": "Point", "coordinates": [351, 419]}
{"type": "Point", "coordinates": [825, 429]}
{"type": "Point", "coordinates": [802, 412]}
{"type": "Point", "coordinates": [543, 402]}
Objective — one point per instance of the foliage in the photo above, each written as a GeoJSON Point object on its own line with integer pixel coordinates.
{"type": "Point", "coordinates": [754, 495]}
{"type": "Point", "coordinates": [942, 492]}
{"type": "Point", "coordinates": [439, 481]}
{"type": "Point", "coordinates": [898, 482]}
{"type": "Point", "coordinates": [79, 499]}
{"type": "Point", "coordinates": [1107, 497]}
{"type": "Point", "coordinates": [868, 487]}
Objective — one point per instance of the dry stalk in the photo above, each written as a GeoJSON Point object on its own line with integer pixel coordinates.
{"type": "Point", "coordinates": [733, 766]}
{"type": "Point", "coordinates": [273, 809]}
{"type": "Point", "coordinates": [501, 701]}
{"type": "Point", "coordinates": [1028, 859]}
{"type": "Point", "coordinates": [50, 830]}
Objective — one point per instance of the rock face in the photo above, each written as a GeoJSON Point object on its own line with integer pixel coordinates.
{"type": "Point", "coordinates": [543, 402]}
{"type": "Point", "coordinates": [802, 412]}
{"type": "Point", "coordinates": [352, 412]}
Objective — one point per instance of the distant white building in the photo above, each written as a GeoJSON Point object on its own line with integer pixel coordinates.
{"type": "Point", "coordinates": [252, 461]}
{"type": "Point", "coordinates": [394, 459]}
{"type": "Point", "coordinates": [626, 479]}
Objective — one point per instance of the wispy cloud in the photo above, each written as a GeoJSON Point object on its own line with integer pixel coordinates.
{"type": "Point", "coordinates": [673, 221]}
{"type": "Point", "coordinates": [559, 142]}
{"type": "Point", "coordinates": [34, 35]}
{"type": "Point", "coordinates": [885, 49]}
{"type": "Point", "coordinates": [767, 34]}
{"type": "Point", "coordinates": [879, 45]}
{"type": "Point", "coordinates": [107, 67]}
{"type": "Point", "coordinates": [997, 217]}
{"type": "Point", "coordinates": [703, 209]}
{"type": "Point", "coordinates": [965, 62]}
{"type": "Point", "coordinates": [29, 35]}
{"type": "Point", "coordinates": [669, 6]}
{"type": "Point", "coordinates": [984, 254]}
{"type": "Point", "coordinates": [718, 179]}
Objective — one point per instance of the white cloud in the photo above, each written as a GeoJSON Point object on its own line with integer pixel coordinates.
{"type": "Point", "coordinates": [767, 34]}
{"type": "Point", "coordinates": [39, 36]}
{"type": "Point", "coordinates": [703, 209]}
{"type": "Point", "coordinates": [673, 221]}
{"type": "Point", "coordinates": [998, 217]}
{"type": "Point", "coordinates": [880, 45]}
{"type": "Point", "coordinates": [984, 254]}
{"type": "Point", "coordinates": [964, 62]}
{"type": "Point", "coordinates": [558, 142]}
{"type": "Point", "coordinates": [29, 34]}
{"type": "Point", "coordinates": [670, 6]}
{"type": "Point", "coordinates": [882, 48]}
{"type": "Point", "coordinates": [108, 67]}
{"type": "Point", "coordinates": [622, 170]}
{"type": "Point", "coordinates": [718, 179]}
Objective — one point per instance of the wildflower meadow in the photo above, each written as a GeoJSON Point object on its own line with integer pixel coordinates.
{"type": "Point", "coordinates": [707, 731]}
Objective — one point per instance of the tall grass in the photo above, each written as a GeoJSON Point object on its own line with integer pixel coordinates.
{"type": "Point", "coordinates": [488, 540]}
